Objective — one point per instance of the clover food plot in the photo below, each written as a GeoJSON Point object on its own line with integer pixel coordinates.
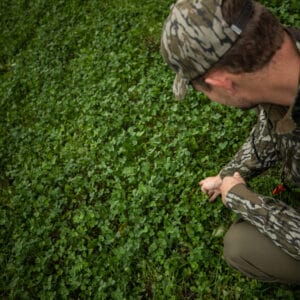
{"type": "Point", "coordinates": [100, 164]}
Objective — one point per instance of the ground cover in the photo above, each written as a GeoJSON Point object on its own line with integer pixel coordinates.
{"type": "Point", "coordinates": [99, 164]}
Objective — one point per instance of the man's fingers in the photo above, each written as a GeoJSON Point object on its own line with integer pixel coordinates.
{"type": "Point", "coordinates": [214, 186]}
{"type": "Point", "coordinates": [214, 196]}
{"type": "Point", "coordinates": [210, 186]}
{"type": "Point", "coordinates": [204, 190]}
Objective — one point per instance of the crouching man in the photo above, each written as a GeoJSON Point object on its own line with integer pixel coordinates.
{"type": "Point", "coordinates": [238, 54]}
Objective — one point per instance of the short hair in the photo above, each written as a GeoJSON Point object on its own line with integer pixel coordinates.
{"type": "Point", "coordinates": [260, 40]}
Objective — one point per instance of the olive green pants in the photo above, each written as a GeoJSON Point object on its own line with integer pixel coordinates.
{"type": "Point", "coordinates": [255, 255]}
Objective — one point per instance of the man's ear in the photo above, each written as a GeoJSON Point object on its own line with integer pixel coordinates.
{"type": "Point", "coordinates": [221, 80]}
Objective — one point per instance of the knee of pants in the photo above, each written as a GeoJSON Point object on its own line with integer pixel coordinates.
{"type": "Point", "coordinates": [236, 252]}
{"type": "Point", "coordinates": [256, 256]}
{"type": "Point", "coordinates": [233, 246]}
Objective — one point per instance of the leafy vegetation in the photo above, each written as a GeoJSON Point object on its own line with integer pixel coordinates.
{"type": "Point", "coordinates": [99, 164]}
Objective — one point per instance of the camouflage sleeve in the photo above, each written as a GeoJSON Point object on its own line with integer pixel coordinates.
{"type": "Point", "coordinates": [257, 154]}
{"type": "Point", "coordinates": [275, 219]}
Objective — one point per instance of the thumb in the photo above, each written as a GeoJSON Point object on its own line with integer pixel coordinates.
{"type": "Point", "coordinates": [237, 175]}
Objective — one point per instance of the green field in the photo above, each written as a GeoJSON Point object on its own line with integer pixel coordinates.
{"type": "Point", "coordinates": [99, 164]}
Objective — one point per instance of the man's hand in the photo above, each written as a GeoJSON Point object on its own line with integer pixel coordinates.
{"type": "Point", "coordinates": [215, 186]}
{"type": "Point", "coordinates": [211, 187]}
{"type": "Point", "coordinates": [228, 183]}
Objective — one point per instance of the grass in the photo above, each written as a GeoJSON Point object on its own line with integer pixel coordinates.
{"type": "Point", "coordinates": [99, 163]}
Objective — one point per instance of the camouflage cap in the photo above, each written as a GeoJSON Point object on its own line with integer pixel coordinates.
{"type": "Point", "coordinates": [194, 38]}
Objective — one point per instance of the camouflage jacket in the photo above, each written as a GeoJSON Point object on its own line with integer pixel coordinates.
{"type": "Point", "coordinates": [274, 138]}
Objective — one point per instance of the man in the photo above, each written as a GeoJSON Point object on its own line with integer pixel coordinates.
{"type": "Point", "coordinates": [238, 54]}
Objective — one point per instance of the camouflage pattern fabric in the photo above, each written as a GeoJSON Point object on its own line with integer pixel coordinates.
{"type": "Point", "coordinates": [271, 217]}
{"type": "Point", "coordinates": [264, 148]}
{"type": "Point", "coordinates": [195, 36]}
{"type": "Point", "coordinates": [257, 153]}
{"type": "Point", "coordinates": [267, 145]}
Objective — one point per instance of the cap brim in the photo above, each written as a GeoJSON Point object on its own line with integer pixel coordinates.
{"type": "Point", "coordinates": [180, 87]}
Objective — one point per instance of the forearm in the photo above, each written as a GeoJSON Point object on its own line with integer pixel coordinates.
{"type": "Point", "coordinates": [272, 217]}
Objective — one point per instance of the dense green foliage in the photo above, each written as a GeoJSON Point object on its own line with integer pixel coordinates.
{"type": "Point", "coordinates": [99, 164]}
